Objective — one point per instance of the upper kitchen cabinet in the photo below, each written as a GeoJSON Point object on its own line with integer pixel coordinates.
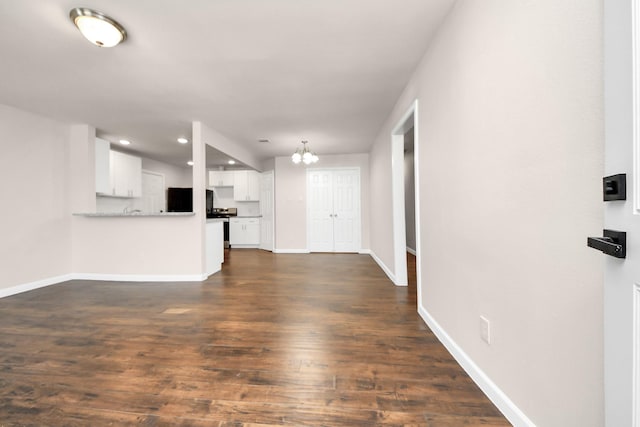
{"type": "Point", "coordinates": [246, 186]}
{"type": "Point", "coordinates": [221, 178]}
{"type": "Point", "coordinates": [125, 175]}
{"type": "Point", "coordinates": [117, 174]}
{"type": "Point", "coordinates": [103, 182]}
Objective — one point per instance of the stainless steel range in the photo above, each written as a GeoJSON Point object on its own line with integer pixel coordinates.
{"type": "Point", "coordinates": [225, 213]}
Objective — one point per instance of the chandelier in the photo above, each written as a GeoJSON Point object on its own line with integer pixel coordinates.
{"type": "Point", "coordinates": [304, 155]}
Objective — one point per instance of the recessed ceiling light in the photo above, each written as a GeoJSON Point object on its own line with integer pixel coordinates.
{"type": "Point", "coordinates": [183, 140]}
{"type": "Point", "coordinates": [125, 142]}
{"type": "Point", "coordinates": [97, 27]}
{"type": "Point", "coordinates": [232, 162]}
{"type": "Point", "coordinates": [190, 162]}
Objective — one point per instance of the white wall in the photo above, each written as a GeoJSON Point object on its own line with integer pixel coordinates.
{"type": "Point", "coordinates": [229, 147]}
{"type": "Point", "coordinates": [291, 198]}
{"type": "Point", "coordinates": [151, 247]}
{"type": "Point", "coordinates": [510, 146]}
{"type": "Point", "coordinates": [174, 176]}
{"type": "Point", "coordinates": [36, 225]}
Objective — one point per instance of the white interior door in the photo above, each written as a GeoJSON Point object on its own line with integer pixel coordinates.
{"type": "Point", "coordinates": [266, 210]}
{"type": "Point", "coordinates": [333, 210]}
{"type": "Point", "coordinates": [622, 276]}
{"type": "Point", "coordinates": [320, 211]}
{"type": "Point", "coordinates": [346, 210]}
{"type": "Point", "coordinates": [153, 192]}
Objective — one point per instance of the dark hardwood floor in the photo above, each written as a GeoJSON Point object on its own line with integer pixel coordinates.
{"type": "Point", "coordinates": [299, 340]}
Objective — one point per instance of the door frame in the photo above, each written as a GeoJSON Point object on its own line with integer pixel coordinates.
{"type": "Point", "coordinates": [621, 298]}
{"type": "Point", "coordinates": [271, 176]}
{"type": "Point", "coordinates": [408, 120]}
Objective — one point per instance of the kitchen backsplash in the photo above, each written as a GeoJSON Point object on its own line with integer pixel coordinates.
{"type": "Point", "coordinates": [223, 198]}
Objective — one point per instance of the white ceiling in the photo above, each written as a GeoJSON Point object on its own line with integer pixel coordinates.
{"type": "Point", "coordinates": [327, 71]}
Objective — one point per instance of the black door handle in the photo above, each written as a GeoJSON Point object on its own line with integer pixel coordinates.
{"type": "Point", "coordinates": [612, 243]}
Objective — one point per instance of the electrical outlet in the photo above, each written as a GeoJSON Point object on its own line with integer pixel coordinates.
{"type": "Point", "coordinates": [485, 329]}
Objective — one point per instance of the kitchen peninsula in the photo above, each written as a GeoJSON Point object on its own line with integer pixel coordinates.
{"type": "Point", "coordinates": [134, 244]}
{"type": "Point", "coordinates": [133, 214]}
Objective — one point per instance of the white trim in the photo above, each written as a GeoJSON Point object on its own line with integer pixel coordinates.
{"type": "Point", "coordinates": [416, 190]}
{"type": "Point", "coordinates": [635, 393]}
{"type": "Point", "coordinates": [140, 277]}
{"type": "Point", "coordinates": [405, 123]}
{"type": "Point", "coordinates": [490, 389]}
{"type": "Point", "coordinates": [386, 269]}
{"type": "Point", "coordinates": [26, 287]}
{"type": "Point", "coordinates": [270, 245]}
{"type": "Point", "coordinates": [291, 251]}
{"type": "Point", "coordinates": [365, 251]}
{"type": "Point", "coordinates": [411, 251]}
{"type": "Point", "coordinates": [635, 73]}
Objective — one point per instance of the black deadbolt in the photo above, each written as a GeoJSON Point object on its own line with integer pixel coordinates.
{"type": "Point", "coordinates": [614, 187]}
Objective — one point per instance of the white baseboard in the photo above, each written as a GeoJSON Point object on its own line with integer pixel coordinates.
{"type": "Point", "coordinates": [141, 277]}
{"type": "Point", "coordinates": [365, 251]}
{"type": "Point", "coordinates": [26, 287]}
{"type": "Point", "coordinates": [291, 251]}
{"type": "Point", "coordinates": [411, 251]}
{"type": "Point", "coordinates": [490, 389]}
{"type": "Point", "coordinates": [384, 268]}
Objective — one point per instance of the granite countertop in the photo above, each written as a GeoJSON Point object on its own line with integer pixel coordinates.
{"type": "Point", "coordinates": [248, 216]}
{"type": "Point", "coordinates": [129, 214]}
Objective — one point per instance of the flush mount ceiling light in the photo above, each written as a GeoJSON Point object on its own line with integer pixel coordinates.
{"type": "Point", "coordinates": [304, 155]}
{"type": "Point", "coordinates": [97, 27]}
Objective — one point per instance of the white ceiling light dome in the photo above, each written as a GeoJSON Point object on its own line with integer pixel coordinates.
{"type": "Point", "coordinates": [97, 27]}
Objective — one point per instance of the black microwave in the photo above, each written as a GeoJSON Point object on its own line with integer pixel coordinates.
{"type": "Point", "coordinates": [181, 200]}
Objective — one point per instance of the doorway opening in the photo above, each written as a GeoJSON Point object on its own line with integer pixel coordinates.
{"type": "Point", "coordinates": [410, 211]}
{"type": "Point", "coordinates": [404, 135]}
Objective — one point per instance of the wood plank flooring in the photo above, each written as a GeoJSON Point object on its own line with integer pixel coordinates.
{"type": "Point", "coordinates": [297, 340]}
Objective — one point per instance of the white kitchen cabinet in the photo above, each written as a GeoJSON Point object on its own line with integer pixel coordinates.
{"type": "Point", "coordinates": [103, 180]}
{"type": "Point", "coordinates": [246, 186]}
{"type": "Point", "coordinates": [244, 232]}
{"type": "Point", "coordinates": [125, 172]}
{"type": "Point", "coordinates": [221, 178]}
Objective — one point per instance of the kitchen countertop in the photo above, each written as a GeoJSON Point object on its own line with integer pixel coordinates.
{"type": "Point", "coordinates": [209, 220]}
{"type": "Point", "coordinates": [248, 216]}
{"type": "Point", "coordinates": [141, 214]}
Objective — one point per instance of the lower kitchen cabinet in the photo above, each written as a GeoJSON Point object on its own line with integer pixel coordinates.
{"type": "Point", "coordinates": [244, 232]}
